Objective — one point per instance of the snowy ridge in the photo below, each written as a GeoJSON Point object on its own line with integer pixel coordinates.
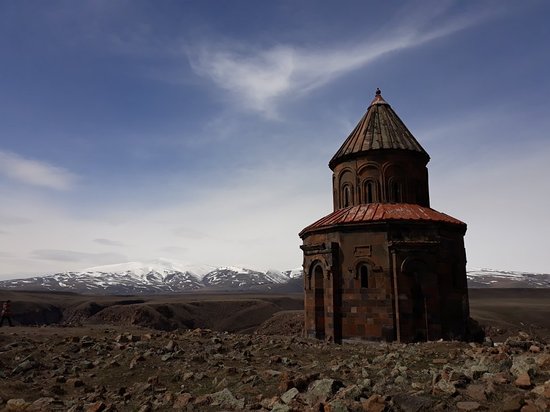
{"type": "Point", "coordinates": [493, 278]}
{"type": "Point", "coordinates": [167, 276]}
{"type": "Point", "coordinates": [234, 277]}
{"type": "Point", "coordinates": [294, 273]}
{"type": "Point", "coordinates": [141, 269]}
{"type": "Point", "coordinates": [157, 276]}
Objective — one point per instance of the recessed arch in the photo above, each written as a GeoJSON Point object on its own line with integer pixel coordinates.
{"type": "Point", "coordinates": [395, 190]}
{"type": "Point", "coordinates": [346, 185]}
{"type": "Point", "coordinates": [318, 272]}
{"type": "Point", "coordinates": [346, 195]}
{"type": "Point", "coordinates": [369, 169]}
{"type": "Point", "coordinates": [394, 178]}
{"type": "Point", "coordinates": [346, 175]}
{"type": "Point", "coordinates": [364, 274]}
{"type": "Point", "coordinates": [371, 191]}
{"type": "Point", "coordinates": [316, 262]}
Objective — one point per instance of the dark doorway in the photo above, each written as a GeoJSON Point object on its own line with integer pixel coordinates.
{"type": "Point", "coordinates": [418, 286]}
{"type": "Point", "coordinates": [319, 303]}
{"type": "Point", "coordinates": [419, 312]}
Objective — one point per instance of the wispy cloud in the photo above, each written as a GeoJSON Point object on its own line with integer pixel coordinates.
{"type": "Point", "coordinates": [188, 233]}
{"type": "Point", "coordinates": [35, 172]}
{"type": "Point", "coordinates": [174, 249]}
{"type": "Point", "coordinates": [13, 220]}
{"type": "Point", "coordinates": [74, 256]}
{"type": "Point", "coordinates": [259, 78]}
{"type": "Point", "coordinates": [108, 242]}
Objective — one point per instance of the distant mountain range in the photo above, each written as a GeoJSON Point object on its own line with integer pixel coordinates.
{"type": "Point", "coordinates": [491, 278]}
{"type": "Point", "coordinates": [164, 276]}
{"type": "Point", "coordinates": [160, 276]}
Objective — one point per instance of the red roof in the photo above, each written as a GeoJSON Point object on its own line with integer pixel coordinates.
{"type": "Point", "coordinates": [381, 212]}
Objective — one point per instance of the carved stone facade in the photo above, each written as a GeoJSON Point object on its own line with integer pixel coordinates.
{"type": "Point", "coordinates": [384, 265]}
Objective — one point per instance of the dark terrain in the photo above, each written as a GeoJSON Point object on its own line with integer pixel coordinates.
{"type": "Point", "coordinates": [245, 352]}
{"type": "Point", "coordinates": [237, 312]}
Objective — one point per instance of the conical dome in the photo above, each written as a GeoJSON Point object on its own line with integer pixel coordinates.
{"type": "Point", "coordinates": [379, 129]}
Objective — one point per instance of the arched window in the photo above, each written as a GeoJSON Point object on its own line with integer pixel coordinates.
{"type": "Point", "coordinates": [364, 276]}
{"type": "Point", "coordinates": [396, 192]}
{"type": "Point", "coordinates": [371, 194]}
{"type": "Point", "coordinates": [346, 196]}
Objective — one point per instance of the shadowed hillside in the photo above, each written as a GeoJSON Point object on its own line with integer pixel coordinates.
{"type": "Point", "coordinates": [223, 312]}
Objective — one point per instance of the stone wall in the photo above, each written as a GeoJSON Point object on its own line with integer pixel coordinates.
{"type": "Point", "coordinates": [426, 259]}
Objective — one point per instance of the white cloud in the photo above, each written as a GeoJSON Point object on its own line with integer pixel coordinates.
{"type": "Point", "coordinates": [108, 242]}
{"type": "Point", "coordinates": [258, 78]}
{"type": "Point", "coordinates": [254, 217]}
{"type": "Point", "coordinates": [498, 187]}
{"type": "Point", "coordinates": [76, 256]}
{"type": "Point", "coordinates": [504, 202]}
{"type": "Point", "coordinates": [35, 172]}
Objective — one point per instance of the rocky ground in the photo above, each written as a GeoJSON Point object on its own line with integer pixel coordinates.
{"type": "Point", "coordinates": [109, 368]}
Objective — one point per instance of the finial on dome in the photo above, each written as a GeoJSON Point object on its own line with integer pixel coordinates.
{"type": "Point", "coordinates": [378, 99]}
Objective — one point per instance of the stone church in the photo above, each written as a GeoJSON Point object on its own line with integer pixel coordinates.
{"type": "Point", "coordinates": [384, 265]}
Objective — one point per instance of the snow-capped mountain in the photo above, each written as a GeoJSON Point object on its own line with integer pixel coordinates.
{"type": "Point", "coordinates": [232, 277]}
{"type": "Point", "coordinates": [141, 269]}
{"type": "Point", "coordinates": [294, 273]}
{"type": "Point", "coordinates": [167, 276]}
{"type": "Point", "coordinates": [158, 276]}
{"type": "Point", "coordinates": [491, 278]}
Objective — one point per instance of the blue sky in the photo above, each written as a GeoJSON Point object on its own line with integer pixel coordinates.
{"type": "Point", "coordinates": [201, 131]}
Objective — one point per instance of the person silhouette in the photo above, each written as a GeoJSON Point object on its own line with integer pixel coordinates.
{"type": "Point", "coordinates": [6, 313]}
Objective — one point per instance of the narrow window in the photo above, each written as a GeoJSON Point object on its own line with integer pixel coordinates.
{"type": "Point", "coordinates": [368, 192]}
{"type": "Point", "coordinates": [396, 192]}
{"type": "Point", "coordinates": [364, 275]}
{"type": "Point", "coordinates": [347, 196]}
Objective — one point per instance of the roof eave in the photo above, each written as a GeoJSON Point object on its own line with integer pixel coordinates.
{"type": "Point", "coordinates": [335, 161]}
{"type": "Point", "coordinates": [332, 227]}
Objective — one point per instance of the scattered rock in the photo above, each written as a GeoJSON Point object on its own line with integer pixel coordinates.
{"type": "Point", "coordinates": [476, 371]}
{"type": "Point", "coordinates": [467, 406]}
{"type": "Point", "coordinates": [534, 349]}
{"type": "Point", "coordinates": [225, 399]}
{"type": "Point", "coordinates": [24, 366]}
{"type": "Point", "coordinates": [280, 407]}
{"type": "Point", "coordinates": [512, 403]}
{"type": "Point", "coordinates": [182, 400]}
{"type": "Point", "coordinates": [523, 381]}
{"type": "Point", "coordinates": [409, 403]}
{"type": "Point", "coordinates": [543, 361]}
{"type": "Point", "coordinates": [476, 392]}
{"type": "Point", "coordinates": [321, 390]}
{"type": "Point", "coordinates": [447, 387]}
{"type": "Point", "coordinates": [529, 408]}
{"type": "Point", "coordinates": [543, 390]}
{"type": "Point", "coordinates": [375, 403]}
{"type": "Point", "coordinates": [45, 404]}
{"type": "Point", "coordinates": [336, 406]}
{"type": "Point", "coordinates": [208, 370]}
{"type": "Point", "coordinates": [96, 407]}
{"type": "Point", "coordinates": [289, 395]}
{"type": "Point", "coordinates": [75, 382]}
{"type": "Point", "coordinates": [17, 405]}
{"type": "Point", "coordinates": [523, 364]}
